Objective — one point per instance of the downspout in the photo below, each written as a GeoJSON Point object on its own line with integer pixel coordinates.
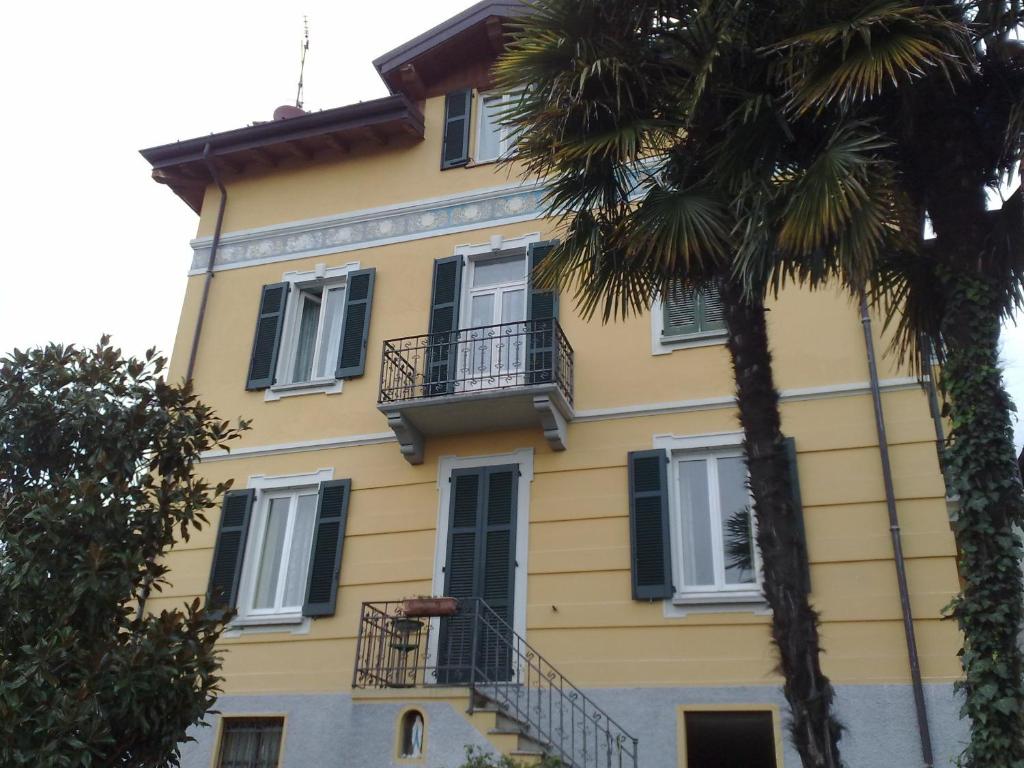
{"type": "Point", "coordinates": [897, 543]}
{"type": "Point", "coordinates": [210, 263]}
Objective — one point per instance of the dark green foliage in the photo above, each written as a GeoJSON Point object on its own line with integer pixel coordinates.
{"type": "Point", "coordinates": [477, 758]}
{"type": "Point", "coordinates": [97, 460]}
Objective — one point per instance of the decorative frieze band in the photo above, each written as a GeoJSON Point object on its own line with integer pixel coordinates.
{"type": "Point", "coordinates": [367, 228]}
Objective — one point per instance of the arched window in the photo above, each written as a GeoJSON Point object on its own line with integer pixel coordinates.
{"type": "Point", "coordinates": [412, 734]}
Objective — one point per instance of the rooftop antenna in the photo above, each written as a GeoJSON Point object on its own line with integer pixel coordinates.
{"type": "Point", "coordinates": [302, 61]}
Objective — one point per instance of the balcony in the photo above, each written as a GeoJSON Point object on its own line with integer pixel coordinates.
{"type": "Point", "coordinates": [495, 377]}
{"type": "Point", "coordinates": [476, 649]}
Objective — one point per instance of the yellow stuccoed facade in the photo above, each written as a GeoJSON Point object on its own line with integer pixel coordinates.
{"type": "Point", "coordinates": [579, 609]}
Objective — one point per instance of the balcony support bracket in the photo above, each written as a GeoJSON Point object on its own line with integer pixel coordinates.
{"type": "Point", "coordinates": [410, 439]}
{"type": "Point", "coordinates": [552, 422]}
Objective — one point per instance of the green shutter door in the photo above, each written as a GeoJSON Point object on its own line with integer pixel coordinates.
{"type": "Point", "coordinates": [444, 325]}
{"type": "Point", "coordinates": [457, 110]}
{"type": "Point", "coordinates": [328, 540]}
{"type": "Point", "coordinates": [355, 327]}
{"type": "Point", "coordinates": [480, 563]}
{"type": "Point", "coordinates": [267, 340]}
{"type": "Point", "coordinates": [229, 550]}
{"type": "Point", "coordinates": [541, 313]}
{"type": "Point", "coordinates": [650, 547]}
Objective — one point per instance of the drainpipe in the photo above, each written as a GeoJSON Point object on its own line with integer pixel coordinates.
{"type": "Point", "coordinates": [212, 260]}
{"type": "Point", "coordinates": [897, 544]}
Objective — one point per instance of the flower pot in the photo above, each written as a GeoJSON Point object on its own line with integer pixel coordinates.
{"type": "Point", "coordinates": [430, 606]}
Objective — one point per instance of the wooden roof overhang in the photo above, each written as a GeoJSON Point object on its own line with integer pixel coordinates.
{"type": "Point", "coordinates": [390, 120]}
{"type": "Point", "coordinates": [477, 34]}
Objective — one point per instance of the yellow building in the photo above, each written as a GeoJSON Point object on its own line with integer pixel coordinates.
{"type": "Point", "coordinates": [427, 423]}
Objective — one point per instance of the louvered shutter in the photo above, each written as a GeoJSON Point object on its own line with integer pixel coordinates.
{"type": "Point", "coordinates": [328, 540]}
{"type": "Point", "coordinates": [229, 550]}
{"type": "Point", "coordinates": [541, 313]}
{"type": "Point", "coordinates": [681, 311]}
{"type": "Point", "coordinates": [460, 573]}
{"type": "Point", "coordinates": [497, 573]}
{"type": "Point", "coordinates": [650, 547]}
{"type": "Point", "coordinates": [798, 506]}
{"type": "Point", "coordinates": [457, 109]}
{"type": "Point", "coordinates": [355, 327]}
{"type": "Point", "coordinates": [444, 323]}
{"type": "Point", "coordinates": [267, 341]}
{"type": "Point", "coordinates": [712, 313]}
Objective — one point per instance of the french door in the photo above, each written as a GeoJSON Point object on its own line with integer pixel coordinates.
{"type": "Point", "coordinates": [493, 340]}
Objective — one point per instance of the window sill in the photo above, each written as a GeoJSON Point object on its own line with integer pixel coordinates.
{"type": "Point", "coordinates": [293, 623]}
{"type": "Point", "coordinates": [667, 344]}
{"type": "Point", "coordinates": [319, 386]}
{"type": "Point", "coordinates": [682, 604]}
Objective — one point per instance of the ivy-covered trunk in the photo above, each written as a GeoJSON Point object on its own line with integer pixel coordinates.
{"type": "Point", "coordinates": [981, 462]}
{"type": "Point", "coordinates": [814, 728]}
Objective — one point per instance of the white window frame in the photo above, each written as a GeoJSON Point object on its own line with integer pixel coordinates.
{"type": "Point", "coordinates": [321, 276]}
{"type": "Point", "coordinates": [724, 596]}
{"type": "Point", "coordinates": [506, 146]}
{"type": "Point", "coordinates": [268, 487]}
{"type": "Point", "coordinates": [664, 345]}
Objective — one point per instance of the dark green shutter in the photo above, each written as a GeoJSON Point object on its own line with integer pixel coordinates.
{"type": "Point", "coordinates": [712, 313]}
{"type": "Point", "coordinates": [444, 323]}
{"type": "Point", "coordinates": [269, 325]}
{"type": "Point", "coordinates": [689, 310]}
{"type": "Point", "coordinates": [457, 111]}
{"type": "Point", "coordinates": [650, 547]}
{"type": "Point", "coordinates": [798, 505]}
{"type": "Point", "coordinates": [229, 551]}
{"type": "Point", "coordinates": [480, 563]}
{"type": "Point", "coordinates": [355, 327]}
{"type": "Point", "coordinates": [328, 540]}
{"type": "Point", "coordinates": [542, 315]}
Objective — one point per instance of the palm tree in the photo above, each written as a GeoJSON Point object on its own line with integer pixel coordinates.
{"type": "Point", "coordinates": [654, 126]}
{"type": "Point", "coordinates": [939, 87]}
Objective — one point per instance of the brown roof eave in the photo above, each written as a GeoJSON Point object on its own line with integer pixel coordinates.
{"type": "Point", "coordinates": [363, 115]}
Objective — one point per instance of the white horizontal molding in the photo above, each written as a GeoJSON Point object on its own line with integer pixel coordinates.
{"type": "Point", "coordinates": [594, 414]}
{"type": "Point", "coordinates": [371, 227]}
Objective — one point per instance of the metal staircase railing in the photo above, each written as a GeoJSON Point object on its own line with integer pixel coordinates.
{"type": "Point", "coordinates": [478, 648]}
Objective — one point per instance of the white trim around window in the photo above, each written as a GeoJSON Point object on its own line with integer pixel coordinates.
{"type": "Point", "coordinates": [284, 492]}
{"type": "Point", "coordinates": [722, 596]}
{"type": "Point", "coordinates": [323, 278]}
{"type": "Point", "coordinates": [524, 458]}
{"type": "Point", "coordinates": [665, 345]}
{"type": "Point", "coordinates": [500, 142]}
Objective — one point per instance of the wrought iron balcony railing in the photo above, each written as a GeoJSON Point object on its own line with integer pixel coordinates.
{"type": "Point", "coordinates": [478, 649]}
{"type": "Point", "coordinates": [485, 359]}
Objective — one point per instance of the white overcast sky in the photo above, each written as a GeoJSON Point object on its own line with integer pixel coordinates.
{"type": "Point", "coordinates": [93, 245]}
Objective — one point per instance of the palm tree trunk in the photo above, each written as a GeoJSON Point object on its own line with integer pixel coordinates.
{"type": "Point", "coordinates": [814, 728]}
{"type": "Point", "coordinates": [981, 463]}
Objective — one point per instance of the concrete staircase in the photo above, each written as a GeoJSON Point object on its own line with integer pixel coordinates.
{"type": "Point", "coordinates": [508, 735]}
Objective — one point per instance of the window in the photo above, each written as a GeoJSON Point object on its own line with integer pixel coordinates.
{"type": "Point", "coordinates": [494, 140]}
{"type": "Point", "coordinates": [723, 739]}
{"type": "Point", "coordinates": [283, 537]}
{"type": "Point", "coordinates": [251, 742]}
{"type": "Point", "coordinates": [687, 311]}
{"type": "Point", "coordinates": [713, 527]}
{"type": "Point", "coordinates": [313, 334]}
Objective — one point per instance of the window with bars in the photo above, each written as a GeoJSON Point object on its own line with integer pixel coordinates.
{"type": "Point", "coordinates": [251, 742]}
{"type": "Point", "coordinates": [688, 310]}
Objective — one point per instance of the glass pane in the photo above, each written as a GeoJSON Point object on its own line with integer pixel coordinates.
{"type": "Point", "coordinates": [488, 142]}
{"type": "Point", "coordinates": [330, 338]}
{"type": "Point", "coordinates": [737, 528]}
{"type": "Point", "coordinates": [309, 318]}
{"type": "Point", "coordinates": [513, 306]}
{"type": "Point", "coordinates": [481, 310]}
{"type": "Point", "coordinates": [698, 558]}
{"type": "Point", "coordinates": [270, 557]}
{"type": "Point", "coordinates": [506, 269]}
{"type": "Point", "coordinates": [298, 558]}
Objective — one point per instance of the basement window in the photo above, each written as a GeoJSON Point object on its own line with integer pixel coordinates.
{"type": "Point", "coordinates": [250, 742]}
{"type": "Point", "coordinates": [716, 739]}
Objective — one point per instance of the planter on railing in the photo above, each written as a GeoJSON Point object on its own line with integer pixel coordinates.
{"type": "Point", "coordinates": [430, 606]}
